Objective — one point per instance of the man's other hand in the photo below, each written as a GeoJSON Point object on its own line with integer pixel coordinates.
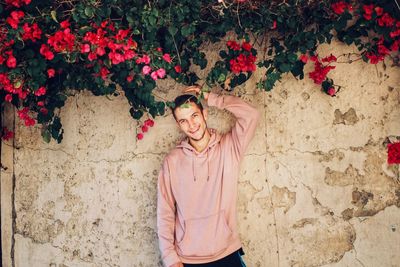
{"type": "Point", "coordinates": [178, 264]}
{"type": "Point", "coordinates": [197, 90]}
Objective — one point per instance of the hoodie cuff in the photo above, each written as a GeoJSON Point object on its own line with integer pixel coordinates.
{"type": "Point", "coordinates": [172, 258]}
{"type": "Point", "coordinates": [215, 100]}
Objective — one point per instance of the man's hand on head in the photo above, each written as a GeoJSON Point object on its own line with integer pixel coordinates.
{"type": "Point", "coordinates": [197, 90]}
{"type": "Point", "coordinates": [178, 264]}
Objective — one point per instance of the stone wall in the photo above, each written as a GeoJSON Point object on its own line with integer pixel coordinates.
{"type": "Point", "coordinates": [314, 189]}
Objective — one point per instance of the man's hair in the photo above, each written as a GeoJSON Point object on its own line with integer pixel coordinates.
{"type": "Point", "coordinates": [185, 99]}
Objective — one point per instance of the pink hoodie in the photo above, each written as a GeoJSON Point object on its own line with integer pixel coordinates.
{"type": "Point", "coordinates": [197, 192]}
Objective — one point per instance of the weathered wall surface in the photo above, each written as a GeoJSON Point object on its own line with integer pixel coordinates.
{"type": "Point", "coordinates": [315, 188]}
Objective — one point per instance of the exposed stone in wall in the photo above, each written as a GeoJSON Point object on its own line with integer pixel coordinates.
{"type": "Point", "coordinates": [314, 187]}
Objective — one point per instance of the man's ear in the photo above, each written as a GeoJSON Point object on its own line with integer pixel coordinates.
{"type": "Point", "coordinates": [205, 113]}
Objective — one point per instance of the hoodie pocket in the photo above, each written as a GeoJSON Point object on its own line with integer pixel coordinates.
{"type": "Point", "coordinates": [207, 236]}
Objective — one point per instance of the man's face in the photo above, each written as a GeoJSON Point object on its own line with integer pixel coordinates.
{"type": "Point", "coordinates": [191, 120]}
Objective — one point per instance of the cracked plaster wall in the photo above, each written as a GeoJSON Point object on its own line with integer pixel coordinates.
{"type": "Point", "coordinates": [314, 189]}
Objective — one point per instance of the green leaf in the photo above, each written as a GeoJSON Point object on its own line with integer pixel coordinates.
{"type": "Point", "coordinates": [172, 30]}
{"type": "Point", "coordinates": [152, 20]}
{"type": "Point", "coordinates": [89, 12]}
{"type": "Point", "coordinates": [292, 58]}
{"type": "Point", "coordinates": [46, 136]}
{"type": "Point", "coordinates": [271, 80]}
{"type": "Point", "coordinates": [221, 78]}
{"type": "Point", "coordinates": [285, 67]}
{"type": "Point", "coordinates": [187, 30]}
{"type": "Point", "coordinates": [136, 114]}
{"type": "Point", "coordinates": [297, 69]}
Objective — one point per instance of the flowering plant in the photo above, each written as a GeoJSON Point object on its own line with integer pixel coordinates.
{"type": "Point", "coordinates": [237, 66]}
{"type": "Point", "coordinates": [50, 50]}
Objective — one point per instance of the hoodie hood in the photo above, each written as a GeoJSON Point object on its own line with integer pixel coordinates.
{"type": "Point", "coordinates": [189, 150]}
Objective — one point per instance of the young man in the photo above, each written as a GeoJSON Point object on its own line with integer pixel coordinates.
{"type": "Point", "coordinates": [197, 185]}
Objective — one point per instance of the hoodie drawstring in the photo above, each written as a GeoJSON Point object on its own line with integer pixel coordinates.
{"type": "Point", "coordinates": [193, 169]}
{"type": "Point", "coordinates": [208, 167]}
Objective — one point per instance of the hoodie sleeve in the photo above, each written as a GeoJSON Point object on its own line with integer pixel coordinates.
{"type": "Point", "coordinates": [246, 115]}
{"type": "Point", "coordinates": [166, 218]}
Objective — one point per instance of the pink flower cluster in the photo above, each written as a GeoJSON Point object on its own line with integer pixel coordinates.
{"type": "Point", "coordinates": [147, 70]}
{"type": "Point", "coordinates": [245, 61]}
{"type": "Point", "coordinates": [6, 134]}
{"type": "Point", "coordinates": [340, 7]}
{"type": "Point", "coordinates": [145, 127]}
{"type": "Point", "coordinates": [318, 75]}
{"type": "Point", "coordinates": [12, 87]}
{"type": "Point", "coordinates": [23, 115]}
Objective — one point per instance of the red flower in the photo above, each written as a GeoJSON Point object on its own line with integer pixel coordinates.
{"type": "Point", "coordinates": [41, 91]}
{"type": "Point", "coordinates": [17, 3]}
{"type": "Point", "coordinates": [62, 40]}
{"type": "Point", "coordinates": [331, 91]}
{"type": "Point", "coordinates": [44, 111]}
{"type": "Point", "coordinates": [340, 7]}
{"type": "Point", "coordinates": [320, 72]}
{"type": "Point", "coordinates": [65, 24]}
{"type": "Point", "coordinates": [149, 122]}
{"type": "Point", "coordinates": [395, 33]}
{"type": "Point", "coordinates": [45, 51]}
{"type": "Point", "coordinates": [121, 34]}
{"type": "Point", "coordinates": [40, 103]}
{"type": "Point", "coordinates": [233, 45]}
{"type": "Point", "coordinates": [379, 10]}
{"type": "Point", "coordinates": [129, 78]}
{"type": "Point", "coordinates": [167, 58]}
{"type": "Point", "coordinates": [374, 58]}
{"type": "Point", "coordinates": [329, 59]}
{"type": "Point", "coordinates": [178, 68]}
{"type": "Point", "coordinates": [22, 94]}
{"type": "Point", "coordinates": [383, 50]}
{"type": "Point", "coordinates": [116, 58]}
{"type": "Point", "coordinates": [145, 128]}
{"type": "Point", "coordinates": [395, 46]}
{"type": "Point", "coordinates": [393, 153]}
{"type": "Point", "coordinates": [246, 46]}
{"type": "Point", "coordinates": [242, 63]}
{"type": "Point", "coordinates": [314, 58]}
{"type": "Point", "coordinates": [104, 72]}
{"type": "Point", "coordinates": [8, 97]}
{"type": "Point", "coordinates": [11, 62]}
{"type": "Point", "coordinates": [368, 10]}
{"type": "Point", "coordinates": [304, 58]}
{"type": "Point", "coordinates": [273, 25]}
{"type": "Point", "coordinates": [386, 20]}
{"type": "Point", "coordinates": [161, 73]}
{"type": "Point", "coordinates": [14, 18]}
{"type": "Point", "coordinates": [31, 32]}
{"type": "Point", "coordinates": [51, 73]}
{"type": "Point", "coordinates": [23, 115]}
{"type": "Point", "coordinates": [6, 134]}
{"type": "Point", "coordinates": [92, 56]}
{"type": "Point", "coordinates": [146, 59]}
{"type": "Point", "coordinates": [139, 136]}
{"type": "Point", "coordinates": [85, 48]}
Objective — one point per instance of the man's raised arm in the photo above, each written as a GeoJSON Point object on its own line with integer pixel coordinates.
{"type": "Point", "coordinates": [247, 118]}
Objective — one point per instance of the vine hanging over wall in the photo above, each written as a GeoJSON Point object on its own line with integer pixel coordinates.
{"type": "Point", "coordinates": [49, 48]}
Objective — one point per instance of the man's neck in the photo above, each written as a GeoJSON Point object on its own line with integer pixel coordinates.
{"type": "Point", "coordinates": [201, 144]}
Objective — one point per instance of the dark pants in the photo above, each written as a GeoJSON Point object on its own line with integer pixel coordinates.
{"type": "Point", "coordinates": [232, 260]}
